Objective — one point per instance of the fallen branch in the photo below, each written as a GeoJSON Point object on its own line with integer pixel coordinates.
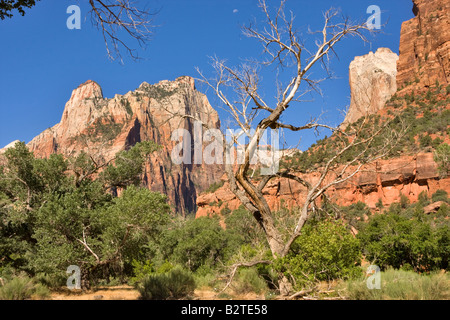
{"type": "Point", "coordinates": [301, 293]}
{"type": "Point", "coordinates": [242, 264]}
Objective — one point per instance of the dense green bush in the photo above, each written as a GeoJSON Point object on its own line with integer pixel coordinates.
{"type": "Point", "coordinates": [196, 242]}
{"type": "Point", "coordinates": [324, 251]}
{"type": "Point", "coordinates": [402, 238]}
{"type": "Point", "coordinates": [174, 284]}
{"type": "Point", "coordinates": [439, 195]}
{"type": "Point", "coordinates": [59, 211]}
{"type": "Point", "coordinates": [400, 285]}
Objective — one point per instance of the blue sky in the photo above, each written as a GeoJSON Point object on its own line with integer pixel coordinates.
{"type": "Point", "coordinates": [42, 61]}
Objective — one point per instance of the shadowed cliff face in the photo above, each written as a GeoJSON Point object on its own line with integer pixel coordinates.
{"type": "Point", "coordinates": [102, 127]}
{"type": "Point", "coordinates": [425, 46]}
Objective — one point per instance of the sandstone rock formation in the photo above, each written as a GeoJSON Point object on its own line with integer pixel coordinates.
{"type": "Point", "coordinates": [372, 80]}
{"type": "Point", "coordinates": [103, 127]}
{"type": "Point", "coordinates": [9, 145]}
{"type": "Point", "coordinates": [425, 46]}
{"type": "Point", "coordinates": [385, 180]}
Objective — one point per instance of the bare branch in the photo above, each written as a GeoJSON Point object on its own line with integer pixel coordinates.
{"type": "Point", "coordinates": [111, 16]}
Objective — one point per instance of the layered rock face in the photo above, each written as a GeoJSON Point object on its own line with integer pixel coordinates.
{"type": "Point", "coordinates": [385, 181]}
{"type": "Point", "coordinates": [102, 127]}
{"type": "Point", "coordinates": [372, 80]}
{"type": "Point", "coordinates": [425, 46]}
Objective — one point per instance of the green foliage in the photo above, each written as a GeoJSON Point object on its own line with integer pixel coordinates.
{"type": "Point", "coordinates": [53, 214]}
{"type": "Point", "coordinates": [249, 280]}
{"type": "Point", "coordinates": [401, 285]}
{"type": "Point", "coordinates": [324, 251]}
{"type": "Point", "coordinates": [439, 195]}
{"type": "Point", "coordinates": [355, 214]}
{"type": "Point", "coordinates": [442, 158]}
{"type": "Point", "coordinates": [174, 284]}
{"type": "Point", "coordinates": [157, 92]}
{"type": "Point", "coordinates": [141, 270]}
{"type": "Point", "coordinates": [127, 106]}
{"type": "Point", "coordinates": [23, 288]}
{"type": "Point", "coordinates": [196, 242]}
{"type": "Point", "coordinates": [206, 277]}
{"type": "Point", "coordinates": [131, 221]}
{"type": "Point", "coordinates": [128, 165]}
{"type": "Point", "coordinates": [7, 6]}
{"type": "Point", "coordinates": [214, 187]}
{"type": "Point", "coordinates": [394, 239]}
{"type": "Point", "coordinates": [241, 228]}
{"type": "Point", "coordinates": [425, 141]}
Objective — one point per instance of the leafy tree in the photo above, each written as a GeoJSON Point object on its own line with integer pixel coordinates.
{"type": "Point", "coordinates": [127, 166]}
{"type": "Point", "coordinates": [324, 251]}
{"type": "Point", "coordinates": [133, 219]}
{"type": "Point", "coordinates": [55, 212]}
{"type": "Point", "coordinates": [355, 214]}
{"type": "Point", "coordinates": [394, 239]}
{"type": "Point", "coordinates": [241, 228]}
{"type": "Point", "coordinates": [196, 242]}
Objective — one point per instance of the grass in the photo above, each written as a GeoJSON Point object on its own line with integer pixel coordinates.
{"type": "Point", "coordinates": [23, 288]}
{"type": "Point", "coordinates": [401, 285]}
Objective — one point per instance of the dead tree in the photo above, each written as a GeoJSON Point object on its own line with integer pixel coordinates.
{"type": "Point", "coordinates": [240, 92]}
{"type": "Point", "coordinates": [114, 16]}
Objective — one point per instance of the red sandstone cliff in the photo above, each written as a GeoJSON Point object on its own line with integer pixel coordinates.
{"type": "Point", "coordinates": [385, 180]}
{"type": "Point", "coordinates": [103, 127]}
{"type": "Point", "coordinates": [425, 46]}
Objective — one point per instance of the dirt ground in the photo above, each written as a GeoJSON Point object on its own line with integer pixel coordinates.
{"type": "Point", "coordinates": [107, 293]}
{"type": "Point", "coordinates": [129, 293]}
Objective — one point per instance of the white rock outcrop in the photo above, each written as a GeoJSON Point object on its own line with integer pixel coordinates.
{"type": "Point", "coordinates": [372, 80]}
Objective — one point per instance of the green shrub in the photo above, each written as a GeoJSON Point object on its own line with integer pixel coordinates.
{"type": "Point", "coordinates": [394, 239]}
{"type": "Point", "coordinates": [324, 251]}
{"type": "Point", "coordinates": [214, 187]}
{"type": "Point", "coordinates": [205, 276]}
{"type": "Point", "coordinates": [425, 141]}
{"type": "Point", "coordinates": [439, 195]}
{"type": "Point", "coordinates": [175, 284]}
{"type": "Point", "coordinates": [23, 288]}
{"type": "Point", "coordinates": [195, 243]}
{"type": "Point", "coordinates": [141, 270]}
{"type": "Point", "coordinates": [249, 280]}
{"type": "Point", "coordinates": [401, 285]}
